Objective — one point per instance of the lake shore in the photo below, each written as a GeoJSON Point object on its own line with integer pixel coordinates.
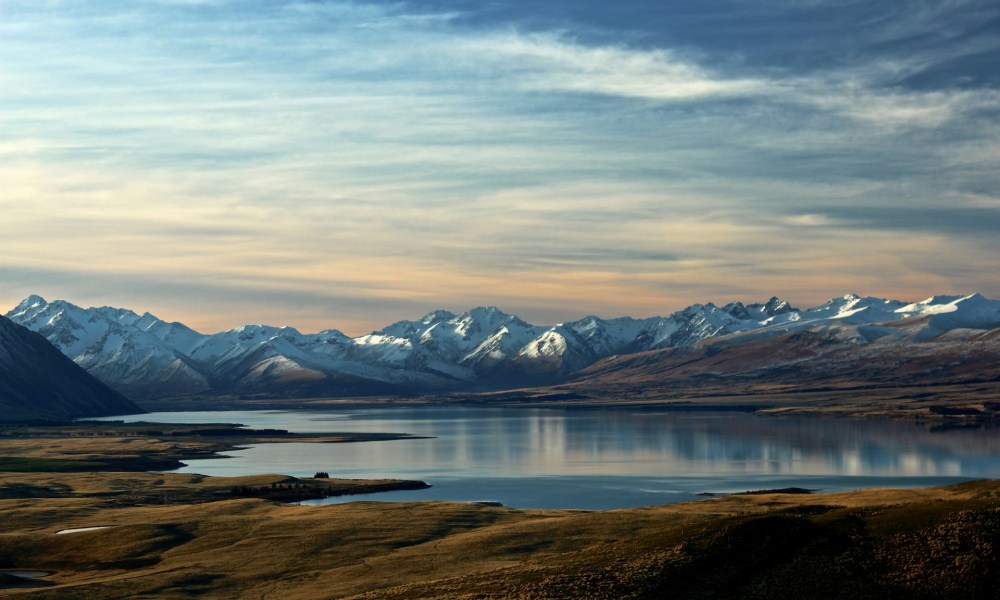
{"type": "Point", "coordinates": [951, 403]}
{"type": "Point", "coordinates": [883, 543]}
{"type": "Point", "coordinates": [115, 462]}
{"type": "Point", "coordinates": [142, 446]}
{"type": "Point", "coordinates": [137, 533]}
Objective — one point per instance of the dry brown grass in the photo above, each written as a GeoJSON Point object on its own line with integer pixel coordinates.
{"type": "Point", "coordinates": [178, 535]}
{"type": "Point", "coordinates": [726, 547]}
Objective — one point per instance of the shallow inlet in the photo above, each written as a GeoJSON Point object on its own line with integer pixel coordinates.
{"type": "Point", "coordinates": [24, 573]}
{"type": "Point", "coordinates": [81, 529]}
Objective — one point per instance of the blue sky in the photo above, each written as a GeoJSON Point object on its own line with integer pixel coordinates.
{"type": "Point", "coordinates": [346, 163]}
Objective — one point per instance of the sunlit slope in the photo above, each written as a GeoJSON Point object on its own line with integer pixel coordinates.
{"type": "Point", "coordinates": [939, 543]}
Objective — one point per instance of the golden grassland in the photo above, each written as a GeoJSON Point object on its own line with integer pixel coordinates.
{"type": "Point", "coordinates": [871, 543]}
{"type": "Point", "coordinates": [169, 535]}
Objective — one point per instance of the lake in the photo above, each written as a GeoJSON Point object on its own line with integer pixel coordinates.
{"type": "Point", "coordinates": [601, 459]}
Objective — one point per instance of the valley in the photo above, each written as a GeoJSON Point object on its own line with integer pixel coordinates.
{"type": "Point", "coordinates": [445, 299]}
{"type": "Point", "coordinates": [131, 529]}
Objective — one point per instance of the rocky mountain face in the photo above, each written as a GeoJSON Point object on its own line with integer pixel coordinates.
{"type": "Point", "coordinates": [37, 381]}
{"type": "Point", "coordinates": [483, 348]}
{"type": "Point", "coordinates": [847, 342]}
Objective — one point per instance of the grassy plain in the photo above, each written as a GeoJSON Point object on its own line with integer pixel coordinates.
{"type": "Point", "coordinates": [168, 535]}
{"type": "Point", "coordinates": [933, 543]}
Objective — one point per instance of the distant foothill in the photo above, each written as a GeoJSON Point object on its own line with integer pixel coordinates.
{"type": "Point", "coordinates": [483, 348]}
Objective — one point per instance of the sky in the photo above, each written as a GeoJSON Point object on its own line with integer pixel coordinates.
{"type": "Point", "coordinates": [348, 164]}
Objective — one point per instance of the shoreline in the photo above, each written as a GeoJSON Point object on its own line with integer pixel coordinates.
{"type": "Point", "coordinates": [37, 461]}
{"type": "Point", "coordinates": [140, 533]}
{"type": "Point", "coordinates": [727, 546]}
{"type": "Point", "coordinates": [946, 404]}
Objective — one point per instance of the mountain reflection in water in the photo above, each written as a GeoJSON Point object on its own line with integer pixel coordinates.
{"type": "Point", "coordinates": [543, 458]}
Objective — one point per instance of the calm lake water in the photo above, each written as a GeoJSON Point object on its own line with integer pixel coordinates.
{"type": "Point", "coordinates": [537, 458]}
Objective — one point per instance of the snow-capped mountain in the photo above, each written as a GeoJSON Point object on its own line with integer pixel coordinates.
{"type": "Point", "coordinates": [37, 381]}
{"type": "Point", "coordinates": [850, 341]}
{"type": "Point", "coordinates": [483, 347]}
{"type": "Point", "coordinates": [119, 347]}
{"type": "Point", "coordinates": [145, 356]}
{"type": "Point", "coordinates": [477, 339]}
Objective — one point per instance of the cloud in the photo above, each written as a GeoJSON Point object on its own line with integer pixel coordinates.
{"type": "Point", "coordinates": [947, 221]}
{"type": "Point", "coordinates": [425, 158]}
{"type": "Point", "coordinates": [554, 63]}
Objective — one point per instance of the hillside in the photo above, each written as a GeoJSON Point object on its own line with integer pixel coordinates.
{"type": "Point", "coordinates": [878, 543]}
{"type": "Point", "coordinates": [38, 382]}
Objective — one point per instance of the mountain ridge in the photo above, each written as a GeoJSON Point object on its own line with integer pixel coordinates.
{"type": "Point", "coordinates": [482, 348]}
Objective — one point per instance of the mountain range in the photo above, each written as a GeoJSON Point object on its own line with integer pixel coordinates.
{"type": "Point", "coordinates": [485, 348]}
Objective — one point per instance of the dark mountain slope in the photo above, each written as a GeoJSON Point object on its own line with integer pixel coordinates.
{"type": "Point", "coordinates": [37, 381]}
{"type": "Point", "coordinates": [825, 356]}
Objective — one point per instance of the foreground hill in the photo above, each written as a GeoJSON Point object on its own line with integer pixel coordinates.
{"type": "Point", "coordinates": [38, 382]}
{"type": "Point", "coordinates": [943, 338]}
{"type": "Point", "coordinates": [881, 544]}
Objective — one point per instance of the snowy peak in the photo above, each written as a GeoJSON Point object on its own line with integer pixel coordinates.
{"type": "Point", "coordinates": [31, 302]}
{"type": "Point", "coordinates": [698, 322]}
{"type": "Point", "coordinates": [738, 310]}
{"type": "Point", "coordinates": [484, 318]}
{"type": "Point", "coordinates": [464, 339]}
{"type": "Point", "coordinates": [933, 304]}
{"type": "Point", "coordinates": [437, 316]}
{"type": "Point", "coordinates": [262, 332]}
{"type": "Point", "coordinates": [558, 351]}
{"type": "Point", "coordinates": [775, 306]}
{"type": "Point", "coordinates": [759, 312]}
{"type": "Point", "coordinates": [854, 309]}
{"type": "Point", "coordinates": [116, 345]}
{"type": "Point", "coordinates": [332, 336]}
{"type": "Point", "coordinates": [606, 337]}
{"type": "Point", "coordinates": [442, 350]}
{"type": "Point", "coordinates": [946, 304]}
{"type": "Point", "coordinates": [945, 313]}
{"type": "Point", "coordinates": [414, 329]}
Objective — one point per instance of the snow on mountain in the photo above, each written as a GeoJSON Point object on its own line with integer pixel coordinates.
{"type": "Point", "coordinates": [950, 312]}
{"type": "Point", "coordinates": [759, 312]}
{"type": "Point", "coordinates": [702, 321]}
{"type": "Point", "coordinates": [559, 351]}
{"type": "Point", "coordinates": [405, 360]}
{"type": "Point", "coordinates": [414, 329]}
{"type": "Point", "coordinates": [852, 309]}
{"type": "Point", "coordinates": [458, 338]}
{"type": "Point", "coordinates": [606, 337]}
{"type": "Point", "coordinates": [233, 345]}
{"type": "Point", "coordinates": [479, 340]}
{"type": "Point", "coordinates": [442, 350]}
{"type": "Point", "coordinates": [864, 320]}
{"type": "Point", "coordinates": [113, 344]}
{"type": "Point", "coordinates": [954, 315]}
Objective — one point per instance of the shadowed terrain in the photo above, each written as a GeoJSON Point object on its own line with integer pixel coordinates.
{"type": "Point", "coordinates": [37, 381]}
{"type": "Point", "coordinates": [141, 534]}
{"type": "Point", "coordinates": [939, 543]}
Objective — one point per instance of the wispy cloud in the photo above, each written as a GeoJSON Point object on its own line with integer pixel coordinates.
{"type": "Point", "coordinates": [426, 158]}
{"type": "Point", "coordinates": [550, 62]}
